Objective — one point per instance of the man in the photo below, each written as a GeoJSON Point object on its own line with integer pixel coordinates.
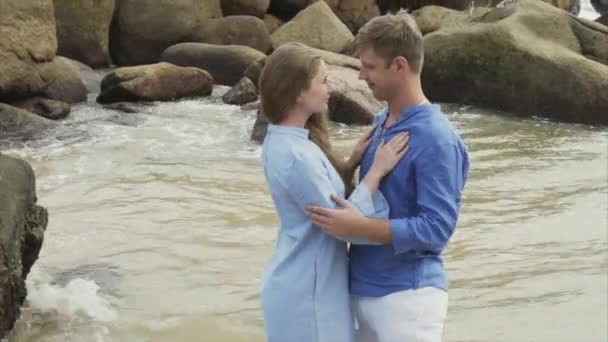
{"type": "Point", "coordinates": [399, 286]}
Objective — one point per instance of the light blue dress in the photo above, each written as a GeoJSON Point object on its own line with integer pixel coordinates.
{"type": "Point", "coordinates": [305, 295]}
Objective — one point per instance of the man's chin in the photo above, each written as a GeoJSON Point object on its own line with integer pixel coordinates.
{"type": "Point", "coordinates": [378, 97]}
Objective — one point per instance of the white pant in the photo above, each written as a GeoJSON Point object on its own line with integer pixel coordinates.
{"type": "Point", "coordinates": [404, 316]}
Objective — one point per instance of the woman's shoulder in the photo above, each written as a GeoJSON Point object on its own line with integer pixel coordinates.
{"type": "Point", "coordinates": [291, 155]}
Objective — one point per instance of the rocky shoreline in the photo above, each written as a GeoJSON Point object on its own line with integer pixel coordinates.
{"type": "Point", "coordinates": [526, 57]}
{"type": "Point", "coordinates": [501, 58]}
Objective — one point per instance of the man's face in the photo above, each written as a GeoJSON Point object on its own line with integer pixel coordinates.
{"type": "Point", "coordinates": [376, 73]}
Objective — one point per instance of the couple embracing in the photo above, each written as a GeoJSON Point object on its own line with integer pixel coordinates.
{"type": "Point", "coordinates": [360, 264]}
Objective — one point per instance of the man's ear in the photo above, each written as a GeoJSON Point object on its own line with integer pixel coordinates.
{"type": "Point", "coordinates": [401, 63]}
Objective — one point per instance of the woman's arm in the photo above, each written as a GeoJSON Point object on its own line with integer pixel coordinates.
{"type": "Point", "coordinates": [348, 166]}
{"type": "Point", "coordinates": [385, 159]}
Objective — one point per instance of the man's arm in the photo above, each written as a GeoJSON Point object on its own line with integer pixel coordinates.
{"type": "Point", "coordinates": [440, 177]}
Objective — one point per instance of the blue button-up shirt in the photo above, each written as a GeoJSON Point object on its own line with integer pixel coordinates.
{"type": "Point", "coordinates": [424, 192]}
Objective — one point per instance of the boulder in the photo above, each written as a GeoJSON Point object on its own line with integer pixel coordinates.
{"type": "Point", "coordinates": [243, 92]}
{"type": "Point", "coordinates": [156, 82]}
{"type": "Point", "coordinates": [47, 108]}
{"type": "Point", "coordinates": [272, 23]}
{"type": "Point", "coordinates": [256, 8]}
{"type": "Point", "coordinates": [287, 9]}
{"type": "Point", "coordinates": [351, 101]}
{"type": "Point", "coordinates": [260, 127]}
{"type": "Point", "coordinates": [226, 63]}
{"type": "Point", "coordinates": [601, 6]}
{"type": "Point", "coordinates": [64, 81]}
{"type": "Point", "coordinates": [255, 105]}
{"type": "Point", "coordinates": [412, 5]}
{"type": "Point", "coordinates": [27, 42]}
{"type": "Point", "coordinates": [337, 59]}
{"type": "Point", "coordinates": [316, 26]}
{"type": "Point", "coordinates": [512, 62]}
{"type": "Point", "coordinates": [355, 13]}
{"type": "Point", "coordinates": [140, 31]}
{"type": "Point", "coordinates": [22, 226]}
{"type": "Point", "coordinates": [89, 77]}
{"type": "Point", "coordinates": [254, 70]}
{"type": "Point", "coordinates": [235, 30]}
{"type": "Point", "coordinates": [83, 30]}
{"type": "Point", "coordinates": [18, 124]}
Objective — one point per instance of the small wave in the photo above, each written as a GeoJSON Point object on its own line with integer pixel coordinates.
{"type": "Point", "coordinates": [78, 297]}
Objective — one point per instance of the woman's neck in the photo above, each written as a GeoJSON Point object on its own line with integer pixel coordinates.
{"type": "Point", "coordinates": [295, 118]}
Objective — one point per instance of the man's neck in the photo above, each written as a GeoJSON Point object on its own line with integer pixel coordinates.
{"type": "Point", "coordinates": [410, 95]}
{"type": "Point", "coordinates": [396, 107]}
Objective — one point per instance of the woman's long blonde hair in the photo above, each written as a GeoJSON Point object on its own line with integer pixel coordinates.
{"type": "Point", "coordinates": [287, 72]}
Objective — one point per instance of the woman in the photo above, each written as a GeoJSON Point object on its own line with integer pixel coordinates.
{"type": "Point", "coordinates": [305, 285]}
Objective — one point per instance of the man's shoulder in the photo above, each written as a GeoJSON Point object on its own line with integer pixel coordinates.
{"type": "Point", "coordinates": [436, 132]}
{"type": "Point", "coordinates": [437, 125]}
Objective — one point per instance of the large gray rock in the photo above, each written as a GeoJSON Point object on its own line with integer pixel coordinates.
{"type": "Point", "coordinates": [351, 101]}
{"type": "Point", "coordinates": [338, 59]}
{"type": "Point", "coordinates": [512, 62]}
{"type": "Point", "coordinates": [254, 70]}
{"type": "Point", "coordinates": [89, 77]}
{"type": "Point", "coordinates": [47, 108]}
{"type": "Point", "coordinates": [226, 63]}
{"type": "Point", "coordinates": [83, 30]}
{"type": "Point", "coordinates": [28, 64]}
{"type": "Point", "coordinates": [157, 82]}
{"type": "Point", "coordinates": [235, 30]}
{"type": "Point", "coordinates": [287, 9]}
{"type": "Point", "coordinates": [22, 226]}
{"type": "Point", "coordinates": [260, 128]}
{"type": "Point", "coordinates": [142, 30]}
{"type": "Point", "coordinates": [460, 5]}
{"type": "Point", "coordinates": [64, 80]}
{"type": "Point", "coordinates": [243, 92]}
{"type": "Point", "coordinates": [355, 13]}
{"type": "Point", "coordinates": [255, 8]}
{"type": "Point", "coordinates": [316, 26]}
{"type": "Point", "coordinates": [27, 42]}
{"type": "Point", "coordinates": [18, 124]}
{"type": "Point", "coordinates": [272, 23]}
{"type": "Point", "coordinates": [601, 6]}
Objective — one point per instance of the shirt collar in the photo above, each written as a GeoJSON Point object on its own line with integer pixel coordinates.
{"type": "Point", "coordinates": [408, 113]}
{"type": "Point", "coordinates": [288, 130]}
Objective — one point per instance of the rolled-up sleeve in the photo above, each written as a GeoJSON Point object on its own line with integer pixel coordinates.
{"type": "Point", "coordinates": [440, 181]}
{"type": "Point", "coordinates": [370, 205]}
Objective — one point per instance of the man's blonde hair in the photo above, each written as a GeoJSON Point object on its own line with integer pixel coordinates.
{"type": "Point", "coordinates": [394, 35]}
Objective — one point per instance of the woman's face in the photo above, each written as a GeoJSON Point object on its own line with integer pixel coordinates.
{"type": "Point", "coordinates": [315, 98]}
